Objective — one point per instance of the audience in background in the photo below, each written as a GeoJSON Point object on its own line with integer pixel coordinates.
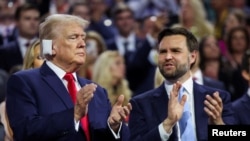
{"type": "Point", "coordinates": [235, 18]}
{"type": "Point", "coordinates": [5, 130]}
{"type": "Point", "coordinates": [7, 24]}
{"type": "Point", "coordinates": [200, 78]}
{"type": "Point", "coordinates": [221, 9]}
{"type": "Point", "coordinates": [240, 4]}
{"type": "Point", "coordinates": [27, 21]}
{"type": "Point", "coordinates": [136, 51]}
{"type": "Point", "coordinates": [158, 78]}
{"type": "Point", "coordinates": [99, 21]}
{"type": "Point", "coordinates": [193, 17]}
{"type": "Point", "coordinates": [109, 72]}
{"type": "Point", "coordinates": [241, 105]}
{"type": "Point", "coordinates": [145, 8]}
{"type": "Point", "coordinates": [95, 45]}
{"type": "Point", "coordinates": [237, 42]}
{"type": "Point", "coordinates": [80, 9]}
{"type": "Point", "coordinates": [210, 57]}
{"type": "Point", "coordinates": [32, 58]}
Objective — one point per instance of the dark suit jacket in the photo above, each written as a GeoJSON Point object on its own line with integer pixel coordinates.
{"type": "Point", "coordinates": [10, 55]}
{"type": "Point", "coordinates": [241, 107]}
{"type": "Point", "coordinates": [3, 81]}
{"type": "Point", "coordinates": [213, 83]}
{"type": "Point", "coordinates": [40, 109]}
{"type": "Point", "coordinates": [150, 109]}
{"type": "Point", "coordinates": [139, 71]}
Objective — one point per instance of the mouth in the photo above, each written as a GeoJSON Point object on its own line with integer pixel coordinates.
{"type": "Point", "coordinates": [168, 65]}
{"type": "Point", "coordinates": [80, 54]}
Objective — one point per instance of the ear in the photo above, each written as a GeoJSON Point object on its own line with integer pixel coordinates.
{"type": "Point", "coordinates": [193, 56]}
{"type": "Point", "coordinates": [54, 49]}
{"type": "Point", "coordinates": [245, 75]}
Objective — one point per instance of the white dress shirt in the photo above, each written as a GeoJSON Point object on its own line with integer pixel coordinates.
{"type": "Point", "coordinates": [198, 77]}
{"type": "Point", "coordinates": [188, 85]}
{"type": "Point", "coordinates": [131, 43]}
{"type": "Point", "coordinates": [61, 73]}
{"type": "Point", "coordinates": [22, 44]}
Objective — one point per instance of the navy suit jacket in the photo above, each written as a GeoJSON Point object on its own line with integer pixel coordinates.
{"type": "Point", "coordinates": [241, 107]}
{"type": "Point", "coordinates": [139, 71]}
{"type": "Point", "coordinates": [150, 110]}
{"type": "Point", "coordinates": [40, 109]}
{"type": "Point", "coordinates": [10, 55]}
{"type": "Point", "coordinates": [213, 83]}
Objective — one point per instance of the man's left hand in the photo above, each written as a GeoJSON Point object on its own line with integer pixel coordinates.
{"type": "Point", "coordinates": [213, 107]}
{"type": "Point", "coordinates": [119, 113]}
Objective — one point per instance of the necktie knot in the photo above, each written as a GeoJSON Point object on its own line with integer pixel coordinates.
{"type": "Point", "coordinates": [181, 93]}
{"type": "Point", "coordinates": [69, 77]}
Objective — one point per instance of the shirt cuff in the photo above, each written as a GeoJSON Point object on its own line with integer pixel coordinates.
{"type": "Point", "coordinates": [117, 136]}
{"type": "Point", "coordinates": [77, 123]}
{"type": "Point", "coordinates": [163, 134]}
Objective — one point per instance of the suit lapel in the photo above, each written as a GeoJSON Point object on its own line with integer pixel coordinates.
{"type": "Point", "coordinates": [56, 85]}
{"type": "Point", "coordinates": [91, 110]}
{"type": "Point", "coordinates": [200, 116]}
{"type": "Point", "coordinates": [160, 103]}
{"type": "Point", "coordinates": [91, 106]}
{"type": "Point", "coordinates": [18, 52]}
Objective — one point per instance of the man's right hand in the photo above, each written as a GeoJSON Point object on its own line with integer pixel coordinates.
{"type": "Point", "coordinates": [175, 108]}
{"type": "Point", "coordinates": [83, 97]}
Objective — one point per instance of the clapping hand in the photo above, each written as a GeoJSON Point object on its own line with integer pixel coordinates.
{"type": "Point", "coordinates": [118, 113]}
{"type": "Point", "coordinates": [213, 107]}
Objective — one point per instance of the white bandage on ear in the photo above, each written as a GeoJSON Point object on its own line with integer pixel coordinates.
{"type": "Point", "coordinates": [46, 47]}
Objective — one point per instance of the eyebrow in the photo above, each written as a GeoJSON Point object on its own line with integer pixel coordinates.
{"type": "Point", "coordinates": [76, 34]}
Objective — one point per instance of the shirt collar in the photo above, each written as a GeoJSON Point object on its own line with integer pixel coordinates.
{"type": "Point", "coordinates": [198, 77]}
{"type": "Point", "coordinates": [22, 41]}
{"type": "Point", "coordinates": [130, 38]}
{"type": "Point", "coordinates": [58, 71]}
{"type": "Point", "coordinates": [188, 85]}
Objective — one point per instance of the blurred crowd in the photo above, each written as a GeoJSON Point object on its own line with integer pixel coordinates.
{"type": "Point", "coordinates": [121, 41]}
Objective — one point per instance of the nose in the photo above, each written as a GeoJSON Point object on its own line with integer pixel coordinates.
{"type": "Point", "coordinates": [82, 43]}
{"type": "Point", "coordinates": [168, 56]}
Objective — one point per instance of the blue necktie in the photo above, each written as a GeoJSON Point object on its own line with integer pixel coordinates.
{"type": "Point", "coordinates": [185, 123]}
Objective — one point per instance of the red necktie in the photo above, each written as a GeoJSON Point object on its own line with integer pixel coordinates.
{"type": "Point", "coordinates": [72, 91]}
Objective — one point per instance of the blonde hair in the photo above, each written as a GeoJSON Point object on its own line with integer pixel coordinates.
{"type": "Point", "coordinates": [100, 41]}
{"type": "Point", "coordinates": [202, 26]}
{"type": "Point", "coordinates": [50, 28]}
{"type": "Point", "coordinates": [30, 55]}
{"type": "Point", "coordinates": [158, 78]}
{"type": "Point", "coordinates": [102, 76]}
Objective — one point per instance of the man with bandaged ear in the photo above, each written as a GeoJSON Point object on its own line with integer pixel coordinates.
{"type": "Point", "coordinates": [52, 103]}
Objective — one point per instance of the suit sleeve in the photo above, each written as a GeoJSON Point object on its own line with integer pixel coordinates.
{"type": "Point", "coordinates": [227, 113]}
{"type": "Point", "coordinates": [138, 127]}
{"type": "Point", "coordinates": [24, 117]}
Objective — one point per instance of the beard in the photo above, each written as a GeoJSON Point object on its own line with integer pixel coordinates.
{"type": "Point", "coordinates": [180, 70]}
